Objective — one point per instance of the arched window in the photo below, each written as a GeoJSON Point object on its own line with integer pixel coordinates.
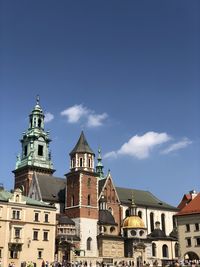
{"type": "Point", "coordinates": [165, 251]}
{"type": "Point", "coordinates": [88, 200]}
{"type": "Point", "coordinates": [152, 221]}
{"type": "Point", "coordinates": [81, 162]}
{"type": "Point", "coordinates": [153, 250]}
{"type": "Point", "coordinates": [112, 229]}
{"type": "Point", "coordinates": [89, 241]}
{"type": "Point", "coordinates": [127, 212]}
{"type": "Point", "coordinates": [110, 209]}
{"type": "Point", "coordinates": [140, 214]}
{"type": "Point", "coordinates": [176, 250]}
{"type": "Point", "coordinates": [163, 222]}
{"type": "Point", "coordinates": [89, 163]}
{"type": "Point", "coordinates": [72, 200]}
{"type": "Point", "coordinates": [39, 123]}
{"type": "Point", "coordinates": [89, 182]}
{"type": "Point", "coordinates": [174, 221]}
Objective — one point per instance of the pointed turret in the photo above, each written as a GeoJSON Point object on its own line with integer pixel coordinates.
{"type": "Point", "coordinates": [99, 167]}
{"type": "Point", "coordinates": [35, 155]}
{"type": "Point", "coordinates": [82, 156]}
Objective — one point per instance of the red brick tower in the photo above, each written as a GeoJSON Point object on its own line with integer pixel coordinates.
{"type": "Point", "coordinates": [82, 195]}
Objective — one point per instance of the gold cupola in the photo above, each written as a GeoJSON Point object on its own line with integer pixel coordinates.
{"type": "Point", "coordinates": [133, 220]}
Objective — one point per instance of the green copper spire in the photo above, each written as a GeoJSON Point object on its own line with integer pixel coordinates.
{"type": "Point", "coordinates": [35, 142]}
{"type": "Point", "coordinates": [99, 167]}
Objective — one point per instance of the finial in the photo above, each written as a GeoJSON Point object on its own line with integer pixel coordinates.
{"type": "Point", "coordinates": [37, 100]}
{"type": "Point", "coordinates": [132, 200]}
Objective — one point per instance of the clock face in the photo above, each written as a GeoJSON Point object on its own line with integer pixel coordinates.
{"type": "Point", "coordinates": [133, 232]}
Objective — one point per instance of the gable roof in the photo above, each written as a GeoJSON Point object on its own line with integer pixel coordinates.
{"type": "Point", "coordinates": [82, 146]}
{"type": "Point", "coordinates": [52, 188]}
{"type": "Point", "coordinates": [142, 198]}
{"type": "Point", "coordinates": [193, 207]}
{"type": "Point", "coordinates": [185, 200]}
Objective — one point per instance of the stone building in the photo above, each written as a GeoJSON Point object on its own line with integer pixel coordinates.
{"type": "Point", "coordinates": [27, 230]}
{"type": "Point", "coordinates": [188, 223]}
{"type": "Point", "coordinates": [89, 198]}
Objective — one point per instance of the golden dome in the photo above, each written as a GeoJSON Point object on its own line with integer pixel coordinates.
{"type": "Point", "coordinates": [133, 221]}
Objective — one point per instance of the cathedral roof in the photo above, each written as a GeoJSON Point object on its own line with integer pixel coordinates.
{"type": "Point", "coordinates": [106, 218]}
{"type": "Point", "coordinates": [82, 146]}
{"type": "Point", "coordinates": [158, 233]}
{"type": "Point", "coordinates": [142, 198]}
{"type": "Point", "coordinates": [52, 188]}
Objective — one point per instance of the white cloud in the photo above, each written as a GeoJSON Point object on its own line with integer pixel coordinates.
{"type": "Point", "coordinates": [176, 146]}
{"type": "Point", "coordinates": [95, 120]}
{"type": "Point", "coordinates": [48, 117]}
{"type": "Point", "coordinates": [77, 112]}
{"type": "Point", "coordinates": [140, 146]}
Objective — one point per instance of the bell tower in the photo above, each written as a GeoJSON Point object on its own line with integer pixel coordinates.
{"type": "Point", "coordinates": [35, 155]}
{"type": "Point", "coordinates": [82, 195]}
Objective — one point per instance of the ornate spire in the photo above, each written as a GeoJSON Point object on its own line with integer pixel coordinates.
{"type": "Point", "coordinates": [38, 100]}
{"type": "Point", "coordinates": [133, 207]}
{"type": "Point", "coordinates": [99, 167]}
{"type": "Point", "coordinates": [35, 142]}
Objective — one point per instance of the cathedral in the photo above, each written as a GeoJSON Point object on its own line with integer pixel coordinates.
{"type": "Point", "coordinates": [97, 222]}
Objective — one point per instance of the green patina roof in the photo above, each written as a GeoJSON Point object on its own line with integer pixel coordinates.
{"type": "Point", "coordinates": [142, 198]}
{"type": "Point", "coordinates": [82, 146]}
{"type": "Point", "coordinates": [5, 196]}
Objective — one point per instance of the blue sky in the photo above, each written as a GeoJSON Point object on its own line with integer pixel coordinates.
{"type": "Point", "coordinates": [125, 72]}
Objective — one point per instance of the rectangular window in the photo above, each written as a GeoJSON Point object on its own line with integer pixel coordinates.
{"type": "Point", "coordinates": [36, 217]}
{"type": "Point", "coordinates": [17, 232]}
{"type": "Point", "coordinates": [25, 150]}
{"type": "Point", "coordinates": [46, 217]}
{"type": "Point", "coordinates": [35, 235]}
{"type": "Point", "coordinates": [39, 254]}
{"type": "Point", "coordinates": [187, 227]}
{"type": "Point", "coordinates": [16, 214]}
{"type": "Point", "coordinates": [13, 254]}
{"type": "Point", "coordinates": [45, 236]}
{"type": "Point", "coordinates": [188, 242]}
{"type": "Point", "coordinates": [40, 150]}
{"type": "Point", "coordinates": [1, 211]}
{"type": "Point", "coordinates": [196, 227]}
{"type": "Point", "coordinates": [197, 241]}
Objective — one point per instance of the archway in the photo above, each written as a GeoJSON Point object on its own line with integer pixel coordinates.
{"type": "Point", "coordinates": [191, 256]}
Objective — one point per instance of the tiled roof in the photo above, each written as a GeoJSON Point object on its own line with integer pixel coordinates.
{"type": "Point", "coordinates": [192, 208]}
{"type": "Point", "coordinates": [142, 198]}
{"type": "Point", "coordinates": [185, 200]}
{"type": "Point", "coordinates": [5, 196]}
{"type": "Point", "coordinates": [82, 146]}
{"type": "Point", "coordinates": [52, 188]}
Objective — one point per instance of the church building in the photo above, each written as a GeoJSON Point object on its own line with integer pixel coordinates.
{"type": "Point", "coordinates": [110, 224]}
